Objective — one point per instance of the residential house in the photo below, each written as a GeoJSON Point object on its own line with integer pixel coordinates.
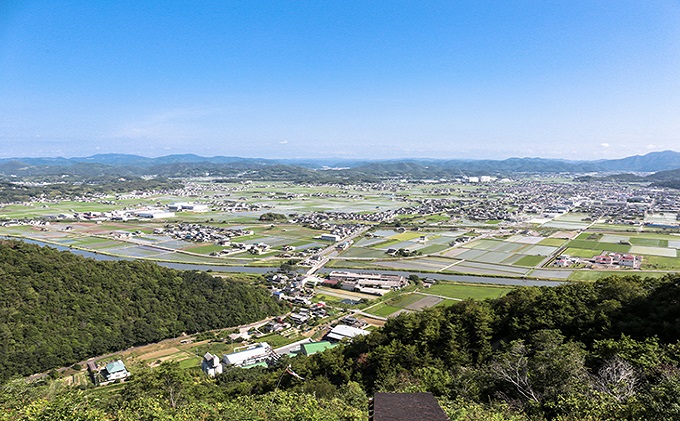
{"type": "Point", "coordinates": [115, 370]}
{"type": "Point", "coordinates": [211, 365]}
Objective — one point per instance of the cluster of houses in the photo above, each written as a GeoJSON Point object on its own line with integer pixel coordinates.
{"type": "Point", "coordinates": [620, 259]}
{"type": "Point", "coordinates": [319, 221]}
{"type": "Point", "coordinates": [232, 206]}
{"type": "Point", "coordinates": [368, 283]}
{"type": "Point", "coordinates": [565, 261]}
{"type": "Point", "coordinates": [292, 287]}
{"type": "Point", "coordinates": [141, 213]}
{"type": "Point", "coordinates": [299, 288]}
{"type": "Point", "coordinates": [378, 216]}
{"type": "Point", "coordinates": [32, 222]}
{"type": "Point", "coordinates": [617, 203]}
{"type": "Point", "coordinates": [604, 259]}
{"type": "Point", "coordinates": [204, 233]}
{"type": "Point", "coordinates": [262, 354]}
{"type": "Point", "coordinates": [305, 314]}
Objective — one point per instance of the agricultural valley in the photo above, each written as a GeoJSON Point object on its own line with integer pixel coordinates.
{"type": "Point", "coordinates": [327, 268]}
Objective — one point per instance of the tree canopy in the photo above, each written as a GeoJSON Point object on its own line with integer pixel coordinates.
{"type": "Point", "coordinates": [606, 350]}
{"type": "Point", "coordinates": [57, 308]}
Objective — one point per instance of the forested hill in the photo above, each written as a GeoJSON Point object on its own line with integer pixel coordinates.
{"type": "Point", "coordinates": [235, 168]}
{"type": "Point", "coordinates": [584, 351]}
{"type": "Point", "coordinates": [57, 308]}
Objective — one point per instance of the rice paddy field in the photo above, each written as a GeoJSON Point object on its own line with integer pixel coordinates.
{"type": "Point", "coordinates": [439, 245]}
{"type": "Point", "coordinates": [521, 255]}
{"type": "Point", "coordinates": [464, 291]}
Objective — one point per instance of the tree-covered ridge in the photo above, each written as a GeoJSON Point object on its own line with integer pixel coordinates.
{"type": "Point", "coordinates": [97, 184]}
{"type": "Point", "coordinates": [57, 308]}
{"type": "Point", "coordinates": [605, 350]}
{"type": "Point", "coordinates": [590, 351]}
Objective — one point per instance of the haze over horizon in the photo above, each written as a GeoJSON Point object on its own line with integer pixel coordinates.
{"type": "Point", "coordinates": [577, 80]}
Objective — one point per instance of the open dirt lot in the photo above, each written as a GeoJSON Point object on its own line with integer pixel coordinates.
{"type": "Point", "coordinates": [425, 302]}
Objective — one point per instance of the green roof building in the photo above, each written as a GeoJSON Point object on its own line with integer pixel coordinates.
{"type": "Point", "coordinates": [314, 347]}
{"type": "Point", "coordinates": [258, 364]}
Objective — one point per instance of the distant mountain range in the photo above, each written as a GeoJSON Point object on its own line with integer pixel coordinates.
{"type": "Point", "coordinates": [225, 166]}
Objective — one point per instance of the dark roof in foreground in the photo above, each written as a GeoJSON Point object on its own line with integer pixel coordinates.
{"type": "Point", "coordinates": [406, 407]}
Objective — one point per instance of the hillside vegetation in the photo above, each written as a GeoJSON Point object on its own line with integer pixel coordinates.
{"type": "Point", "coordinates": [306, 170]}
{"type": "Point", "coordinates": [97, 184]}
{"type": "Point", "coordinates": [57, 308]}
{"type": "Point", "coordinates": [590, 351]}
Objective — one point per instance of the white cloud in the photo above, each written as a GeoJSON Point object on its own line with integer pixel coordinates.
{"type": "Point", "coordinates": [284, 142]}
{"type": "Point", "coordinates": [604, 145]}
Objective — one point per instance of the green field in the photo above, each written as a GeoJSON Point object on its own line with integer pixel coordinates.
{"type": "Point", "coordinates": [190, 362]}
{"type": "Point", "coordinates": [576, 252]}
{"type": "Point", "coordinates": [598, 245]}
{"type": "Point", "coordinates": [614, 227]}
{"type": "Point", "coordinates": [447, 303]}
{"type": "Point", "coordinates": [484, 244]}
{"type": "Point", "coordinates": [406, 236]}
{"type": "Point", "coordinates": [383, 310]}
{"type": "Point", "coordinates": [594, 275]}
{"type": "Point", "coordinates": [434, 248]}
{"type": "Point", "coordinates": [649, 242]}
{"type": "Point", "coordinates": [351, 264]}
{"type": "Point", "coordinates": [91, 241]}
{"type": "Point", "coordinates": [555, 242]}
{"type": "Point", "coordinates": [589, 275]}
{"type": "Point", "coordinates": [661, 263]}
{"type": "Point", "coordinates": [385, 244]}
{"type": "Point", "coordinates": [463, 291]}
{"type": "Point", "coordinates": [591, 236]}
{"type": "Point", "coordinates": [529, 261]}
{"type": "Point", "coordinates": [215, 348]}
{"type": "Point", "coordinates": [275, 340]}
{"type": "Point", "coordinates": [204, 249]}
{"type": "Point", "coordinates": [403, 300]}
{"type": "Point", "coordinates": [364, 252]}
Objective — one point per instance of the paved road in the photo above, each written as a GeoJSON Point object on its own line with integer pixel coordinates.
{"type": "Point", "coordinates": [438, 296]}
{"type": "Point", "coordinates": [326, 253]}
{"type": "Point", "coordinates": [292, 347]}
{"type": "Point", "coordinates": [369, 315]}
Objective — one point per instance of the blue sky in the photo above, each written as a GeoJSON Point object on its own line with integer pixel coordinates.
{"type": "Point", "coordinates": [353, 79]}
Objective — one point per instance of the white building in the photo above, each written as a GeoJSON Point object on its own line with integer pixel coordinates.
{"type": "Point", "coordinates": [368, 280]}
{"type": "Point", "coordinates": [184, 206]}
{"type": "Point", "coordinates": [199, 208]}
{"type": "Point", "coordinates": [341, 332]}
{"type": "Point", "coordinates": [330, 237]}
{"type": "Point", "coordinates": [115, 370]}
{"type": "Point", "coordinates": [252, 354]}
{"type": "Point", "coordinates": [154, 214]}
{"type": "Point", "coordinates": [211, 364]}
